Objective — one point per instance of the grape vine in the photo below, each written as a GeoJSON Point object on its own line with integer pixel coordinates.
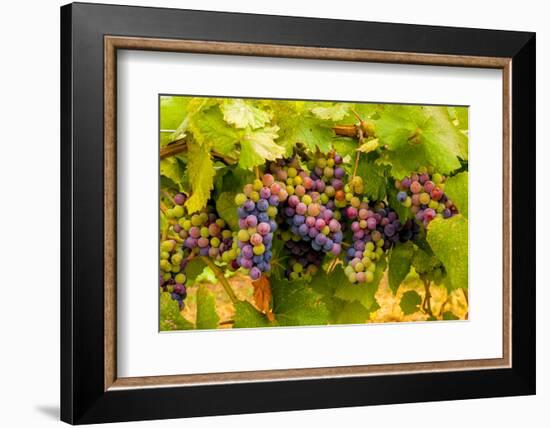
{"type": "Point", "coordinates": [325, 212]}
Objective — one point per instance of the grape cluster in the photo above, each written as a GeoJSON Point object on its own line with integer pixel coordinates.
{"type": "Point", "coordinates": [368, 241]}
{"type": "Point", "coordinates": [374, 231]}
{"type": "Point", "coordinates": [172, 264]}
{"type": "Point", "coordinates": [310, 211]}
{"type": "Point", "coordinates": [329, 174]}
{"type": "Point", "coordinates": [257, 210]}
{"type": "Point", "coordinates": [309, 218]}
{"type": "Point", "coordinates": [424, 195]}
{"type": "Point", "coordinates": [205, 234]}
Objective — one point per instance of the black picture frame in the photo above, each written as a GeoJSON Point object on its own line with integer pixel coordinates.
{"type": "Point", "coordinates": [83, 396]}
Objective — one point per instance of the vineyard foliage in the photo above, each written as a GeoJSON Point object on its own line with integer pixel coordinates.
{"type": "Point", "coordinates": [412, 164]}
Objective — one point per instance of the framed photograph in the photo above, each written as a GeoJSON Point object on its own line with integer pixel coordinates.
{"type": "Point", "coordinates": [265, 213]}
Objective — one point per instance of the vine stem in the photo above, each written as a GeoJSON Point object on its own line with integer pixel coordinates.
{"type": "Point", "coordinates": [333, 265]}
{"type": "Point", "coordinates": [223, 280]}
{"type": "Point", "coordinates": [257, 171]}
{"type": "Point", "coordinates": [177, 239]}
{"type": "Point", "coordinates": [180, 146]}
{"type": "Point", "coordinates": [427, 305]}
{"type": "Point", "coordinates": [167, 195]}
{"type": "Point", "coordinates": [361, 121]}
{"type": "Point", "coordinates": [358, 154]}
{"type": "Point", "coordinates": [165, 232]}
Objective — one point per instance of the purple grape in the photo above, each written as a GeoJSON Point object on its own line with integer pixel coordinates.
{"type": "Point", "coordinates": [262, 205]}
{"type": "Point", "coordinates": [265, 193]}
{"type": "Point", "coordinates": [251, 221]}
{"type": "Point", "coordinates": [402, 196]}
{"type": "Point", "coordinates": [255, 273]}
{"type": "Point", "coordinates": [179, 199]}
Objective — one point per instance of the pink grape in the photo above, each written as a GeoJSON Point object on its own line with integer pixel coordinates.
{"type": "Point", "coordinates": [256, 239]}
{"type": "Point", "coordinates": [264, 228]}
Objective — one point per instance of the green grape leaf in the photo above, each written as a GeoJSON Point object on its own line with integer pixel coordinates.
{"type": "Point", "coordinates": [449, 241]}
{"type": "Point", "coordinates": [417, 136]}
{"type": "Point", "coordinates": [448, 316]}
{"type": "Point", "coordinates": [172, 169]}
{"type": "Point", "coordinates": [335, 306]}
{"type": "Point", "coordinates": [294, 303]}
{"type": "Point", "coordinates": [207, 317]}
{"type": "Point", "coordinates": [176, 113]}
{"type": "Point", "coordinates": [172, 111]}
{"type": "Point", "coordinates": [309, 131]}
{"type": "Point", "coordinates": [173, 123]}
{"type": "Point", "coordinates": [366, 111]}
{"type": "Point", "coordinates": [209, 127]}
{"type": "Point", "coordinates": [423, 262]}
{"type": "Point", "coordinates": [459, 117]}
{"type": "Point", "coordinates": [363, 293]}
{"type": "Point", "coordinates": [278, 260]}
{"type": "Point", "coordinates": [353, 313]}
{"type": "Point", "coordinates": [201, 169]}
{"type": "Point", "coordinates": [410, 302]}
{"type": "Point", "coordinates": [440, 130]}
{"type": "Point", "coordinates": [325, 284]}
{"type": "Point", "coordinates": [170, 316]}
{"type": "Point", "coordinates": [167, 183]}
{"type": "Point", "coordinates": [331, 111]}
{"type": "Point", "coordinates": [243, 114]}
{"type": "Point", "coordinates": [225, 206]}
{"type": "Point", "coordinates": [246, 316]}
{"type": "Point", "coordinates": [259, 146]}
{"type": "Point", "coordinates": [456, 189]}
{"type": "Point", "coordinates": [233, 179]}
{"type": "Point", "coordinates": [400, 264]}
{"type": "Point", "coordinates": [374, 179]}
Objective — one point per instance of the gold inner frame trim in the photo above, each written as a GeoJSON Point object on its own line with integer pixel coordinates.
{"type": "Point", "coordinates": [113, 43]}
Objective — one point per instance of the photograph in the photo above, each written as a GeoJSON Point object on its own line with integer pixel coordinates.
{"type": "Point", "coordinates": [284, 212]}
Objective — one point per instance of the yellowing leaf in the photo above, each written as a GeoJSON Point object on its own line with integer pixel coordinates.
{"type": "Point", "coordinates": [201, 172]}
{"type": "Point", "coordinates": [242, 114]}
{"type": "Point", "coordinates": [262, 293]}
{"type": "Point", "coordinates": [333, 112]}
{"type": "Point", "coordinates": [259, 146]}
{"type": "Point", "coordinates": [368, 146]}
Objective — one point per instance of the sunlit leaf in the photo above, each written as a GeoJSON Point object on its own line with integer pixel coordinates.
{"type": "Point", "coordinates": [330, 111]}
{"type": "Point", "coordinates": [201, 169]}
{"type": "Point", "coordinates": [456, 188]}
{"type": "Point", "coordinates": [243, 114]}
{"type": "Point", "coordinates": [259, 146]}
